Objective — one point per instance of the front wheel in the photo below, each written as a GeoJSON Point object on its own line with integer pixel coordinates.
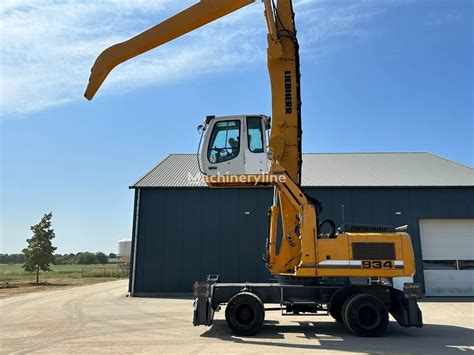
{"type": "Point", "coordinates": [365, 315]}
{"type": "Point", "coordinates": [245, 313]}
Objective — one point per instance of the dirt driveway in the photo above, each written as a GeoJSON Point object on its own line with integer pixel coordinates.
{"type": "Point", "coordinates": [100, 319]}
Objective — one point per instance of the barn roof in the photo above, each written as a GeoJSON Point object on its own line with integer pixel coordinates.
{"type": "Point", "coordinates": [334, 170]}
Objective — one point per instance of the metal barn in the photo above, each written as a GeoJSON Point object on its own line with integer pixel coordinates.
{"type": "Point", "coordinates": [184, 231]}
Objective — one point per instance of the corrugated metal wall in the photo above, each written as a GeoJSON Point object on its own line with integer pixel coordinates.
{"type": "Point", "coordinates": [185, 234]}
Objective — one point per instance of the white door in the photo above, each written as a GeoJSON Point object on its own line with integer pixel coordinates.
{"type": "Point", "coordinates": [447, 247]}
{"type": "Point", "coordinates": [256, 161]}
{"type": "Point", "coordinates": [222, 152]}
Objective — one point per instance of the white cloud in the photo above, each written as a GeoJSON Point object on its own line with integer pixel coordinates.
{"type": "Point", "coordinates": [48, 46]}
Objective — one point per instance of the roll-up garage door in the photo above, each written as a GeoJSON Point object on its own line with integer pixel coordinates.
{"type": "Point", "coordinates": [448, 256]}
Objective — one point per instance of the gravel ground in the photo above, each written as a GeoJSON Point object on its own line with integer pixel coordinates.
{"type": "Point", "coordinates": [101, 319]}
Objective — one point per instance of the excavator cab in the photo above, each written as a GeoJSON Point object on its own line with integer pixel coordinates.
{"type": "Point", "coordinates": [234, 145]}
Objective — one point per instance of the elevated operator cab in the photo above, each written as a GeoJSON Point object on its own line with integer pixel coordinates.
{"type": "Point", "coordinates": [234, 145]}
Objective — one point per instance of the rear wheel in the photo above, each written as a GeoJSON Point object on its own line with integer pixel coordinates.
{"type": "Point", "coordinates": [365, 315]}
{"type": "Point", "coordinates": [245, 313]}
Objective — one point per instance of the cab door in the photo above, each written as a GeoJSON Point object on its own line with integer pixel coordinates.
{"type": "Point", "coordinates": [224, 153]}
{"type": "Point", "coordinates": [256, 161]}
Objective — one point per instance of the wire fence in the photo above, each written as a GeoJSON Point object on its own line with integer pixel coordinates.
{"type": "Point", "coordinates": [121, 271]}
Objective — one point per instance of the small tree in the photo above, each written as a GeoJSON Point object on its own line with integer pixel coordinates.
{"type": "Point", "coordinates": [40, 251]}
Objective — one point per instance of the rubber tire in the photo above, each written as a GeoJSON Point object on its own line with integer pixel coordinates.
{"type": "Point", "coordinates": [352, 311]}
{"type": "Point", "coordinates": [337, 303]}
{"type": "Point", "coordinates": [335, 311]}
{"type": "Point", "coordinates": [247, 304]}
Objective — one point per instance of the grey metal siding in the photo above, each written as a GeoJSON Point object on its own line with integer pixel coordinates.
{"type": "Point", "coordinates": [185, 234]}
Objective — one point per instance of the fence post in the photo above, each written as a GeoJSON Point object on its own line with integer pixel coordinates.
{"type": "Point", "coordinates": [82, 272]}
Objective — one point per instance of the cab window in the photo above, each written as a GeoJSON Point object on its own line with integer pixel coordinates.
{"type": "Point", "coordinates": [255, 134]}
{"type": "Point", "coordinates": [224, 144]}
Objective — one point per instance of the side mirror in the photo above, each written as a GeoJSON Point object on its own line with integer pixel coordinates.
{"type": "Point", "coordinates": [201, 128]}
{"type": "Point", "coordinates": [268, 122]}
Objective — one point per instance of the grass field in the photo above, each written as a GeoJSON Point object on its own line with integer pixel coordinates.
{"type": "Point", "coordinates": [15, 281]}
{"type": "Point", "coordinates": [15, 273]}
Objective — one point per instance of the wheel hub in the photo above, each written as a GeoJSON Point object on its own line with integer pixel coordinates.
{"type": "Point", "coordinates": [244, 314]}
{"type": "Point", "coordinates": [368, 317]}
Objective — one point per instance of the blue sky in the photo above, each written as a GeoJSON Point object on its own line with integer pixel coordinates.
{"type": "Point", "coordinates": [376, 76]}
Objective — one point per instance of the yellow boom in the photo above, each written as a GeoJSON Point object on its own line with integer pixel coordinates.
{"type": "Point", "coordinates": [186, 21]}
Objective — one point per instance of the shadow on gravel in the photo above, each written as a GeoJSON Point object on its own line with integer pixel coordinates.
{"type": "Point", "coordinates": [431, 339]}
{"type": "Point", "coordinates": [173, 295]}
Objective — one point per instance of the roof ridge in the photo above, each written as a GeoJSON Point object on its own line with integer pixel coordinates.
{"type": "Point", "coordinates": [333, 153]}
{"type": "Point", "coordinates": [365, 153]}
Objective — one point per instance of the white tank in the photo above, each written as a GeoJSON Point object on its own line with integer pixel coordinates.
{"type": "Point", "coordinates": [124, 250]}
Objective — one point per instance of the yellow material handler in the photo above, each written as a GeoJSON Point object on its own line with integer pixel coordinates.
{"type": "Point", "coordinates": [356, 273]}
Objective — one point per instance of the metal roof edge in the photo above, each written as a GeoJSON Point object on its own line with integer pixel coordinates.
{"type": "Point", "coordinates": [149, 171]}
{"type": "Point", "coordinates": [451, 161]}
{"type": "Point", "coordinates": [314, 187]}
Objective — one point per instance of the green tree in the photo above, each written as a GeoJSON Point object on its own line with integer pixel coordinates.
{"type": "Point", "coordinates": [40, 251]}
{"type": "Point", "coordinates": [86, 258]}
{"type": "Point", "coordinates": [101, 258]}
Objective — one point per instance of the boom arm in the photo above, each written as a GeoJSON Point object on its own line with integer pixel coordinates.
{"type": "Point", "coordinates": [186, 21]}
{"type": "Point", "coordinates": [284, 71]}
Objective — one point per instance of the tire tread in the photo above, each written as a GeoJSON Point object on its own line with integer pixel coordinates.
{"type": "Point", "coordinates": [350, 323]}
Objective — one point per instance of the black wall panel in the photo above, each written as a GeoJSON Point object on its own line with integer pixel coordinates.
{"type": "Point", "coordinates": [183, 235]}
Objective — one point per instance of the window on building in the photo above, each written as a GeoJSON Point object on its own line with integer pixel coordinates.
{"type": "Point", "coordinates": [466, 264]}
{"type": "Point", "coordinates": [224, 144]}
{"type": "Point", "coordinates": [439, 265]}
{"type": "Point", "coordinates": [448, 264]}
{"type": "Point", "coordinates": [255, 134]}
